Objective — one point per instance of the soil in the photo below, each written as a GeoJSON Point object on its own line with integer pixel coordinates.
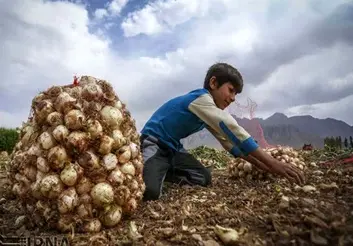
{"type": "Point", "coordinates": [270, 212]}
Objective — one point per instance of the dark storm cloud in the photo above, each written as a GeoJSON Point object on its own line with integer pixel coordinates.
{"type": "Point", "coordinates": [337, 27]}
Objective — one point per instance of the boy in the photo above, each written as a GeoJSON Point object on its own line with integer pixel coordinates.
{"type": "Point", "coordinates": [165, 159]}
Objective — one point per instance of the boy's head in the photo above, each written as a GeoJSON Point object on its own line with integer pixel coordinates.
{"type": "Point", "coordinates": [223, 82]}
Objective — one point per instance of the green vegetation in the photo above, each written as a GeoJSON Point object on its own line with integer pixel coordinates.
{"type": "Point", "coordinates": [220, 157]}
{"type": "Point", "coordinates": [8, 139]}
{"type": "Point", "coordinates": [338, 142]}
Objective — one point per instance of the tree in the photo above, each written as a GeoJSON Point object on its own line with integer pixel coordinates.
{"type": "Point", "coordinates": [346, 143]}
{"type": "Point", "coordinates": [351, 141]}
{"type": "Point", "coordinates": [338, 142]}
{"type": "Point", "coordinates": [333, 142]}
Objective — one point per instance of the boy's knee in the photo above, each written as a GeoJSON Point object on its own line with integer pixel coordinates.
{"type": "Point", "coordinates": [207, 177]}
{"type": "Point", "coordinates": [151, 194]}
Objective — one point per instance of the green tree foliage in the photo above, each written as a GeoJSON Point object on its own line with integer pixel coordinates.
{"type": "Point", "coordinates": [346, 143]}
{"type": "Point", "coordinates": [8, 139]}
{"type": "Point", "coordinates": [335, 142]}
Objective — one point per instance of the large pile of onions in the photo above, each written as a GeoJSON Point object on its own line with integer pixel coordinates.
{"type": "Point", "coordinates": [239, 168]}
{"type": "Point", "coordinates": [78, 164]}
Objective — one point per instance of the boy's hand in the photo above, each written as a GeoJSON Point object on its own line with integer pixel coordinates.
{"type": "Point", "coordinates": [290, 172]}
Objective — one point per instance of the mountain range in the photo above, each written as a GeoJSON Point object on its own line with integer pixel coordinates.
{"type": "Point", "coordinates": [280, 129]}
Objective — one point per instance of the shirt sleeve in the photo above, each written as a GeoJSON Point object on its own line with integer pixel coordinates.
{"type": "Point", "coordinates": [234, 138]}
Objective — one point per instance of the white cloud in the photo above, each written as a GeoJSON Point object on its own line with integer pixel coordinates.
{"type": "Point", "coordinates": [38, 51]}
{"type": "Point", "coordinates": [161, 16]}
{"type": "Point", "coordinates": [116, 6]}
{"type": "Point", "coordinates": [321, 77]}
{"type": "Point", "coordinates": [112, 9]}
{"type": "Point", "coordinates": [100, 13]}
{"type": "Point", "coordinates": [39, 46]}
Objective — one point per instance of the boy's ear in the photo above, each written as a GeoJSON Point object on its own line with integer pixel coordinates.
{"type": "Point", "coordinates": [213, 83]}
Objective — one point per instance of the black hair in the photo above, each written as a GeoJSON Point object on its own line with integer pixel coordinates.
{"type": "Point", "coordinates": [224, 73]}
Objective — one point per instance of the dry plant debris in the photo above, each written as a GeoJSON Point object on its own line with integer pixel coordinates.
{"type": "Point", "coordinates": [229, 212]}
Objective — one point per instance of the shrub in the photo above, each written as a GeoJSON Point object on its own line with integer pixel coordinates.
{"type": "Point", "coordinates": [8, 139]}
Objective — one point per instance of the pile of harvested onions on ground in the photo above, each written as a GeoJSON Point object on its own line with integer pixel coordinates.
{"type": "Point", "coordinates": [239, 168]}
{"type": "Point", "coordinates": [77, 164]}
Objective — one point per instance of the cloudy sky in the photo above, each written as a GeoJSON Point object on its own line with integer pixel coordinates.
{"type": "Point", "coordinates": [295, 56]}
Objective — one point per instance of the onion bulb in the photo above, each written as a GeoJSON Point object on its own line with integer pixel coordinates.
{"type": "Point", "coordinates": [84, 210]}
{"type": "Point", "coordinates": [128, 168]}
{"type": "Point", "coordinates": [69, 175]}
{"type": "Point", "coordinates": [54, 91]}
{"type": "Point", "coordinates": [119, 139]}
{"type": "Point", "coordinates": [35, 190]}
{"type": "Point", "coordinates": [112, 216]}
{"type": "Point", "coordinates": [19, 189]}
{"type": "Point", "coordinates": [46, 140]}
{"type": "Point", "coordinates": [35, 150]}
{"type": "Point", "coordinates": [78, 140]}
{"type": "Point", "coordinates": [39, 176]}
{"type": "Point", "coordinates": [30, 172]}
{"type": "Point", "coordinates": [67, 200]}
{"type": "Point", "coordinates": [112, 116]}
{"type": "Point", "coordinates": [116, 177]}
{"type": "Point", "coordinates": [92, 225]}
{"type": "Point", "coordinates": [106, 145]}
{"type": "Point", "coordinates": [122, 194]}
{"type": "Point", "coordinates": [92, 92]}
{"type": "Point", "coordinates": [247, 167]}
{"type": "Point", "coordinates": [85, 199]}
{"type": "Point", "coordinates": [60, 133]}
{"type": "Point", "coordinates": [55, 119]}
{"type": "Point", "coordinates": [94, 128]}
{"type": "Point", "coordinates": [28, 133]}
{"type": "Point", "coordinates": [57, 156]}
{"type": "Point", "coordinates": [95, 106]}
{"type": "Point", "coordinates": [42, 165]}
{"type": "Point", "coordinates": [89, 160]}
{"type": "Point", "coordinates": [130, 206]}
{"type": "Point", "coordinates": [138, 165]}
{"type": "Point", "coordinates": [102, 194]}
{"type": "Point", "coordinates": [110, 161]}
{"type": "Point", "coordinates": [43, 109]}
{"type": "Point", "coordinates": [118, 105]}
{"type": "Point", "coordinates": [65, 223]}
{"type": "Point", "coordinates": [84, 80]}
{"type": "Point", "coordinates": [64, 102]}
{"type": "Point", "coordinates": [75, 92]}
{"type": "Point", "coordinates": [75, 119]}
{"type": "Point", "coordinates": [84, 186]}
{"type": "Point", "coordinates": [134, 150]}
{"type": "Point", "coordinates": [124, 154]}
{"type": "Point", "coordinates": [51, 186]}
{"type": "Point", "coordinates": [133, 185]}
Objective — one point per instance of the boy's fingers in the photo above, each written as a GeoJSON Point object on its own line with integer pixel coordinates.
{"type": "Point", "coordinates": [294, 175]}
{"type": "Point", "coordinates": [298, 174]}
{"type": "Point", "coordinates": [289, 178]}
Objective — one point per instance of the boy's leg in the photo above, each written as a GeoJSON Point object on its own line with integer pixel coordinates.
{"type": "Point", "coordinates": [188, 170]}
{"type": "Point", "coordinates": [156, 166]}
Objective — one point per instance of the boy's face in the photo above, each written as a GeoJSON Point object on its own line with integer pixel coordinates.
{"type": "Point", "coordinates": [224, 95]}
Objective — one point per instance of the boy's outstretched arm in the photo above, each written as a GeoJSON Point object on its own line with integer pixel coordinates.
{"type": "Point", "coordinates": [237, 141]}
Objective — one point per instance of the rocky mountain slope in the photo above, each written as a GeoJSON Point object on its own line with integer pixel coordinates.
{"type": "Point", "coordinates": [279, 129]}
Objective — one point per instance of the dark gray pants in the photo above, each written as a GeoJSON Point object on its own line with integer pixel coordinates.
{"type": "Point", "coordinates": [163, 164]}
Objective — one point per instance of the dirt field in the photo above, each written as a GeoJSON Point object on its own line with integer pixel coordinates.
{"type": "Point", "coordinates": [262, 212]}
